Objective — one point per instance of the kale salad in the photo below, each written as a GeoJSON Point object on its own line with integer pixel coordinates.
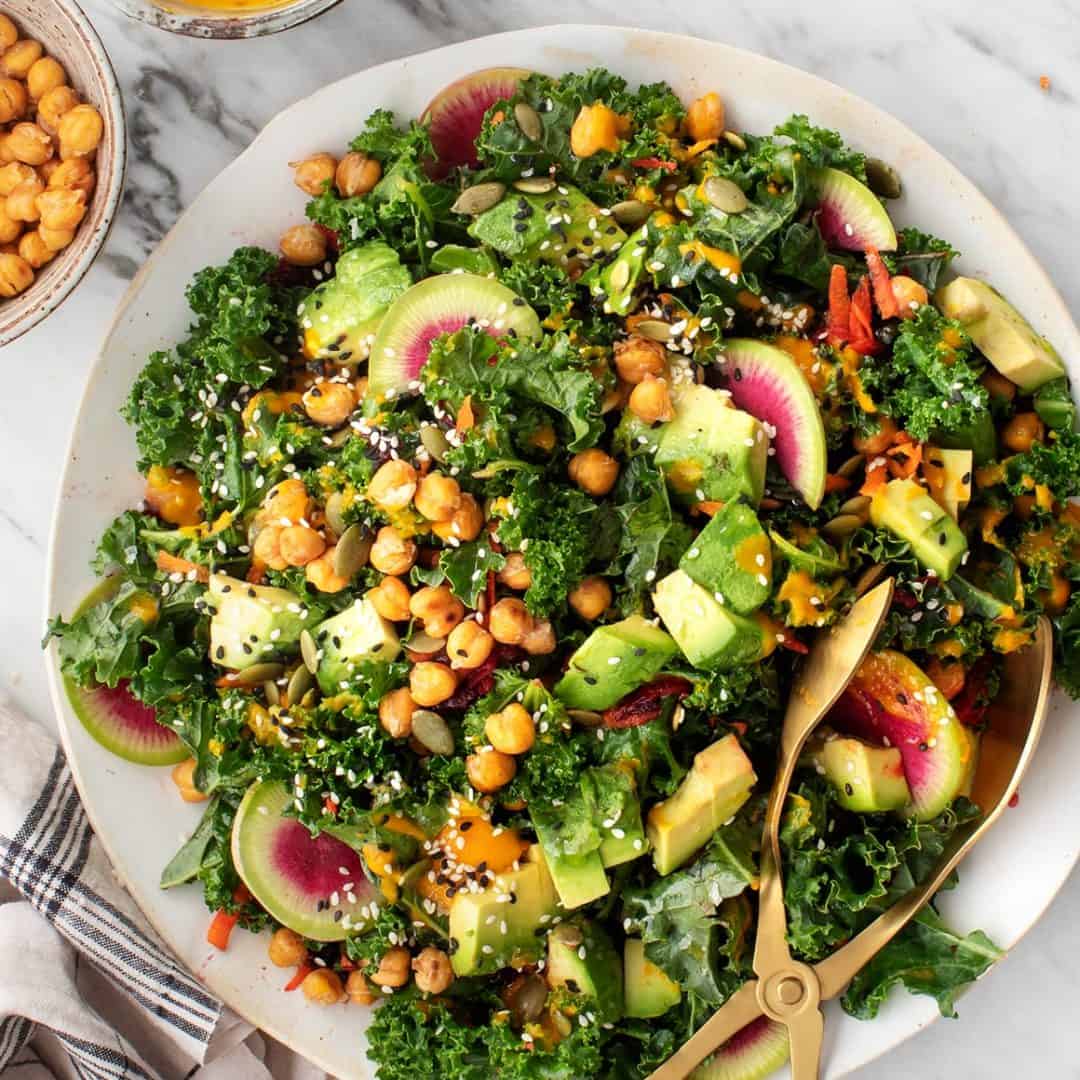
{"type": "Point", "coordinates": [485, 526]}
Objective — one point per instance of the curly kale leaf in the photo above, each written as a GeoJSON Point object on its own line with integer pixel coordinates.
{"type": "Point", "coordinates": [821, 147]}
{"type": "Point", "coordinates": [1067, 648]}
{"type": "Point", "coordinates": [466, 568]}
{"type": "Point", "coordinates": [542, 286]}
{"type": "Point", "coordinates": [159, 407]}
{"type": "Point", "coordinates": [1055, 463]}
{"type": "Point", "coordinates": [922, 257]}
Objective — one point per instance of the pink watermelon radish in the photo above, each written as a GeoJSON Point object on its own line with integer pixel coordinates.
{"type": "Point", "coordinates": [440, 305]}
{"type": "Point", "coordinates": [753, 1053]}
{"type": "Point", "coordinates": [892, 702]}
{"type": "Point", "coordinates": [124, 725]}
{"type": "Point", "coordinates": [315, 886]}
{"type": "Point", "coordinates": [850, 216]}
{"type": "Point", "coordinates": [456, 114]}
{"type": "Point", "coordinates": [767, 383]}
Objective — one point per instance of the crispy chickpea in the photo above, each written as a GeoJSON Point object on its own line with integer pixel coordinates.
{"type": "Point", "coordinates": [286, 948]}
{"type": "Point", "coordinates": [705, 118]}
{"type": "Point", "coordinates": [183, 776]}
{"type": "Point", "coordinates": [13, 174]}
{"type": "Point", "coordinates": [16, 275]}
{"type": "Point", "coordinates": [591, 598]}
{"type": "Point", "coordinates": [80, 130]}
{"type": "Point", "coordinates": [650, 401]}
{"type": "Point", "coordinates": [356, 986]}
{"type": "Point", "coordinates": [488, 769]}
{"type": "Point", "coordinates": [515, 574]}
{"type": "Point", "coordinates": [76, 174]}
{"type": "Point", "coordinates": [356, 174]}
{"type": "Point", "coordinates": [393, 969]}
{"type": "Point", "coordinates": [34, 250]}
{"type": "Point", "coordinates": [509, 621]}
{"type": "Point", "coordinates": [54, 105]}
{"type": "Point", "coordinates": [512, 731]}
{"type": "Point", "coordinates": [21, 204]}
{"type": "Point", "coordinates": [595, 128]}
{"type": "Point", "coordinates": [390, 598]}
{"type": "Point", "coordinates": [61, 208]}
{"type": "Point", "coordinates": [1023, 431]}
{"type": "Point", "coordinates": [29, 143]}
{"type": "Point", "coordinates": [438, 608]}
{"type": "Point", "coordinates": [909, 294]}
{"type": "Point", "coordinates": [636, 357]}
{"type": "Point", "coordinates": [540, 640]}
{"type": "Point", "coordinates": [320, 573]}
{"type": "Point", "coordinates": [438, 497]}
{"type": "Point", "coordinates": [880, 440]}
{"type": "Point", "coordinates": [594, 471]}
{"type": "Point", "coordinates": [21, 57]}
{"type": "Point", "coordinates": [56, 239]}
{"type": "Point", "coordinates": [323, 987]}
{"type": "Point", "coordinates": [996, 384]}
{"type": "Point", "coordinates": [396, 710]}
{"type": "Point", "coordinates": [303, 245]}
{"type": "Point", "coordinates": [172, 493]}
{"type": "Point", "coordinates": [433, 971]}
{"type": "Point", "coordinates": [393, 485]}
{"type": "Point", "coordinates": [392, 553]}
{"type": "Point", "coordinates": [466, 523]}
{"type": "Point", "coordinates": [13, 100]}
{"type": "Point", "coordinates": [9, 227]}
{"type": "Point", "coordinates": [299, 545]}
{"type": "Point", "coordinates": [287, 502]}
{"type": "Point", "coordinates": [267, 548]}
{"type": "Point", "coordinates": [44, 75]}
{"type": "Point", "coordinates": [9, 32]}
{"type": "Point", "coordinates": [312, 174]}
{"type": "Point", "coordinates": [431, 683]}
{"type": "Point", "coordinates": [468, 645]}
{"type": "Point", "coordinates": [330, 403]}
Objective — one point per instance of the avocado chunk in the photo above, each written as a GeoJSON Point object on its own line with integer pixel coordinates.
{"type": "Point", "coordinates": [948, 476]}
{"type": "Point", "coordinates": [618, 813]}
{"type": "Point", "coordinates": [578, 879]}
{"type": "Point", "coordinates": [980, 437]}
{"type": "Point", "coordinates": [710, 636]}
{"type": "Point", "coordinates": [905, 509]}
{"type": "Point", "coordinates": [711, 451]}
{"type": "Point", "coordinates": [868, 779]}
{"type": "Point", "coordinates": [714, 789]}
{"type": "Point", "coordinates": [1055, 406]}
{"type": "Point", "coordinates": [456, 258]}
{"type": "Point", "coordinates": [356, 635]}
{"type": "Point", "coordinates": [498, 927]}
{"type": "Point", "coordinates": [979, 602]}
{"type": "Point", "coordinates": [252, 624]}
{"type": "Point", "coordinates": [616, 281]}
{"type": "Point", "coordinates": [582, 960]}
{"type": "Point", "coordinates": [1000, 333]}
{"type": "Point", "coordinates": [612, 661]}
{"type": "Point", "coordinates": [648, 991]}
{"type": "Point", "coordinates": [341, 316]}
{"type": "Point", "coordinates": [732, 559]}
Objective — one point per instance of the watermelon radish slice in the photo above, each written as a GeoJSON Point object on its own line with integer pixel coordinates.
{"type": "Point", "coordinates": [892, 702]}
{"type": "Point", "coordinates": [767, 383]}
{"type": "Point", "coordinates": [850, 216]}
{"type": "Point", "coordinates": [435, 306]}
{"type": "Point", "coordinates": [315, 886]}
{"type": "Point", "coordinates": [124, 725]}
{"type": "Point", "coordinates": [753, 1053]}
{"type": "Point", "coordinates": [456, 114]}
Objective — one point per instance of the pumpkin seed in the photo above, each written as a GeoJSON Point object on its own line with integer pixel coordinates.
{"type": "Point", "coordinates": [535, 185]}
{"type": "Point", "coordinates": [309, 651]}
{"type": "Point", "coordinates": [435, 442]}
{"type": "Point", "coordinates": [271, 692]}
{"type": "Point", "coordinates": [572, 936]}
{"type": "Point", "coordinates": [562, 1023]}
{"type": "Point", "coordinates": [725, 195]}
{"type": "Point", "coordinates": [869, 578]}
{"type": "Point", "coordinates": [528, 119]}
{"type": "Point", "coordinates": [479, 197]}
{"type": "Point", "coordinates": [340, 438]}
{"type": "Point", "coordinates": [859, 506]}
{"type": "Point", "coordinates": [653, 329]}
{"type": "Point", "coordinates": [300, 683]}
{"type": "Point", "coordinates": [424, 644]}
{"type": "Point", "coordinates": [585, 717]}
{"type": "Point", "coordinates": [851, 466]}
{"type": "Point", "coordinates": [733, 138]}
{"type": "Point", "coordinates": [257, 674]}
{"type": "Point", "coordinates": [335, 510]}
{"type": "Point", "coordinates": [620, 276]}
{"type": "Point", "coordinates": [528, 1001]}
{"type": "Point", "coordinates": [430, 729]}
{"type": "Point", "coordinates": [882, 179]}
{"type": "Point", "coordinates": [842, 525]}
{"type": "Point", "coordinates": [631, 213]}
{"type": "Point", "coordinates": [352, 551]}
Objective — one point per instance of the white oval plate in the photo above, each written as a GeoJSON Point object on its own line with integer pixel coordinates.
{"type": "Point", "coordinates": [1006, 884]}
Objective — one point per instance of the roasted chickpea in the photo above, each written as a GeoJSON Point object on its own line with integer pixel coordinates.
{"type": "Point", "coordinates": [303, 245]}
{"type": "Point", "coordinates": [438, 497]}
{"type": "Point", "coordinates": [591, 598]}
{"type": "Point", "coordinates": [76, 174]}
{"type": "Point", "coordinates": [34, 250]}
{"type": "Point", "coordinates": [330, 403]}
{"type": "Point", "coordinates": [320, 573]}
{"type": "Point", "coordinates": [312, 174]}
{"type": "Point", "coordinates": [300, 544]}
{"type": "Point", "coordinates": [594, 471]}
{"type": "Point", "coordinates": [488, 769]}
{"type": "Point", "coordinates": [288, 502]}
{"type": "Point", "coordinates": [390, 598]}
{"type": "Point", "coordinates": [515, 574]}
{"type": "Point", "coordinates": [29, 143]}
{"type": "Point", "coordinates": [433, 971]}
{"type": "Point", "coordinates": [356, 986]}
{"type": "Point", "coordinates": [56, 239]}
{"type": "Point", "coordinates": [431, 683]}
{"type": "Point", "coordinates": [650, 401]}
{"type": "Point", "coordinates": [267, 548]}
{"type": "Point", "coordinates": [183, 776]}
{"type": "Point", "coordinates": [80, 130]}
{"type": "Point", "coordinates": [466, 523]}
{"type": "Point", "coordinates": [1023, 431]}
{"type": "Point", "coordinates": [356, 174]}
{"type": "Point", "coordinates": [540, 640]}
{"type": "Point", "coordinates": [12, 175]}
{"type": "Point", "coordinates": [9, 227]}
{"type": "Point", "coordinates": [705, 118]}
{"type": "Point", "coordinates": [393, 485]}
{"type": "Point", "coordinates": [996, 384]}
{"type": "Point", "coordinates": [595, 128]}
{"type": "Point", "coordinates": [21, 204]}
{"type": "Point", "coordinates": [396, 710]}
{"type": "Point", "coordinates": [638, 356]}
{"type": "Point", "coordinates": [172, 493]}
{"type": "Point", "coordinates": [54, 105]}
{"type": "Point", "coordinates": [13, 100]}
{"type": "Point", "coordinates": [909, 294]}
{"type": "Point", "coordinates": [61, 208]}
{"type": "Point", "coordinates": [509, 621]}
{"type": "Point", "coordinates": [438, 608]}
{"type": "Point", "coordinates": [468, 645]}
{"type": "Point", "coordinates": [44, 75]}
{"type": "Point", "coordinates": [323, 987]}
{"type": "Point", "coordinates": [880, 440]}
{"type": "Point", "coordinates": [286, 948]}
{"type": "Point", "coordinates": [393, 969]}
{"type": "Point", "coordinates": [392, 553]}
{"type": "Point", "coordinates": [9, 32]}
{"type": "Point", "coordinates": [16, 275]}
{"type": "Point", "coordinates": [512, 731]}
{"type": "Point", "coordinates": [21, 57]}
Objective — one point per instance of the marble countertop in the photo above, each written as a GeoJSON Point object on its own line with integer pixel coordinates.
{"type": "Point", "coordinates": [965, 76]}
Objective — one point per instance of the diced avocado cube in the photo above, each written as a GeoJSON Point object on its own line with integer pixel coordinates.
{"type": "Point", "coordinates": [717, 785]}
{"type": "Point", "coordinates": [868, 779]}
{"type": "Point", "coordinates": [710, 636]}
{"type": "Point", "coordinates": [612, 661]}
{"type": "Point", "coordinates": [1000, 333]}
{"type": "Point", "coordinates": [648, 991]}
{"type": "Point", "coordinates": [469, 260]}
{"type": "Point", "coordinates": [948, 477]}
{"type": "Point", "coordinates": [905, 509]}
{"type": "Point", "coordinates": [582, 960]}
{"type": "Point", "coordinates": [356, 635]}
{"type": "Point", "coordinates": [578, 879]}
{"type": "Point", "coordinates": [711, 451]}
{"type": "Point", "coordinates": [1055, 406]}
{"type": "Point", "coordinates": [617, 813]}
{"type": "Point", "coordinates": [615, 283]}
{"type": "Point", "coordinates": [732, 558]}
{"type": "Point", "coordinates": [521, 901]}
{"type": "Point", "coordinates": [252, 624]}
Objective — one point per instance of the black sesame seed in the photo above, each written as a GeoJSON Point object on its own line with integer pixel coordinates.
{"type": "Point", "coordinates": [465, 826]}
{"type": "Point", "coordinates": [738, 375]}
{"type": "Point", "coordinates": [942, 540]}
{"type": "Point", "coordinates": [247, 648]}
{"type": "Point", "coordinates": [226, 588]}
{"type": "Point", "coordinates": [902, 698]}
{"type": "Point", "coordinates": [220, 652]}
{"type": "Point", "coordinates": [572, 986]}
{"type": "Point", "coordinates": [453, 945]}
{"type": "Point", "coordinates": [337, 915]}
{"type": "Point", "coordinates": [592, 680]}
{"type": "Point", "coordinates": [482, 867]}
{"type": "Point", "coordinates": [923, 747]}
{"type": "Point", "coordinates": [848, 789]}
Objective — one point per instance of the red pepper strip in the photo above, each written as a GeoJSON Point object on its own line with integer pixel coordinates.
{"type": "Point", "coordinates": [221, 926]}
{"type": "Point", "coordinates": [793, 644]}
{"type": "Point", "coordinates": [330, 806]}
{"type": "Point", "coordinates": [839, 320]}
{"type": "Point", "coordinates": [490, 589]}
{"type": "Point", "coordinates": [882, 283]}
{"type": "Point", "coordinates": [861, 327]}
{"type": "Point", "coordinates": [302, 972]}
{"type": "Point", "coordinates": [646, 702]}
{"type": "Point", "coordinates": [908, 601]}
{"type": "Point", "coordinates": [653, 163]}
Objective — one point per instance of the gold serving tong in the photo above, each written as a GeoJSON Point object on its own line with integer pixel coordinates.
{"type": "Point", "coordinates": [792, 992]}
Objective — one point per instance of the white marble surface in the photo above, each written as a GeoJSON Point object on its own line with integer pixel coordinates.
{"type": "Point", "coordinates": [965, 76]}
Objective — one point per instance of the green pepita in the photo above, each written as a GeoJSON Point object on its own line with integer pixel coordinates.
{"type": "Point", "coordinates": [432, 731]}
{"type": "Point", "coordinates": [654, 329]}
{"type": "Point", "coordinates": [424, 644]}
{"type": "Point", "coordinates": [257, 674]}
{"type": "Point", "coordinates": [309, 651]}
{"type": "Point", "coordinates": [620, 276]}
{"type": "Point", "coordinates": [299, 684]}
{"type": "Point", "coordinates": [271, 692]}
{"type": "Point", "coordinates": [725, 195]}
{"type": "Point", "coordinates": [479, 197]}
{"type": "Point", "coordinates": [535, 185]}
{"type": "Point", "coordinates": [882, 179]}
{"type": "Point", "coordinates": [435, 442]}
{"type": "Point", "coordinates": [631, 213]}
{"type": "Point", "coordinates": [528, 119]}
{"type": "Point", "coordinates": [352, 551]}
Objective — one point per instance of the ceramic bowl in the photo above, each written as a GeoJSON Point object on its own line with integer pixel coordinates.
{"type": "Point", "coordinates": [198, 20]}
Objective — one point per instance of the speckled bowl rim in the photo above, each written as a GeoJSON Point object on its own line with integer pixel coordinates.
{"type": "Point", "coordinates": [225, 27]}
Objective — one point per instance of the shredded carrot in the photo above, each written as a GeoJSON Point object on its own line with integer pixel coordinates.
{"type": "Point", "coordinates": [653, 163]}
{"type": "Point", "coordinates": [173, 564]}
{"type": "Point", "coordinates": [861, 325]}
{"type": "Point", "coordinates": [904, 458]}
{"type": "Point", "coordinates": [708, 507]}
{"type": "Point", "coordinates": [330, 806]}
{"type": "Point", "coordinates": [221, 926]}
{"type": "Point", "coordinates": [882, 283]}
{"type": "Point", "coordinates": [836, 482]}
{"type": "Point", "coordinates": [302, 972]}
{"type": "Point", "coordinates": [466, 418]}
{"type": "Point", "coordinates": [839, 307]}
{"type": "Point", "coordinates": [793, 644]}
{"type": "Point", "coordinates": [877, 474]}
{"type": "Point", "coordinates": [256, 574]}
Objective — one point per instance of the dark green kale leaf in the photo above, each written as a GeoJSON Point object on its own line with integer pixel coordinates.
{"type": "Point", "coordinates": [542, 286]}
{"type": "Point", "coordinates": [1055, 463]}
{"type": "Point", "coordinates": [160, 405]}
{"type": "Point", "coordinates": [173, 669]}
{"type": "Point", "coordinates": [466, 567]}
{"type": "Point", "coordinates": [391, 927]}
{"type": "Point", "coordinates": [648, 746]}
{"type": "Point", "coordinates": [922, 257]}
{"type": "Point", "coordinates": [1067, 648]}
{"type": "Point", "coordinates": [821, 147]}
{"type": "Point", "coordinates": [122, 548]}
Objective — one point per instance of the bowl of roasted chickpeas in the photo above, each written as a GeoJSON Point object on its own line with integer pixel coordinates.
{"type": "Point", "coordinates": [62, 155]}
